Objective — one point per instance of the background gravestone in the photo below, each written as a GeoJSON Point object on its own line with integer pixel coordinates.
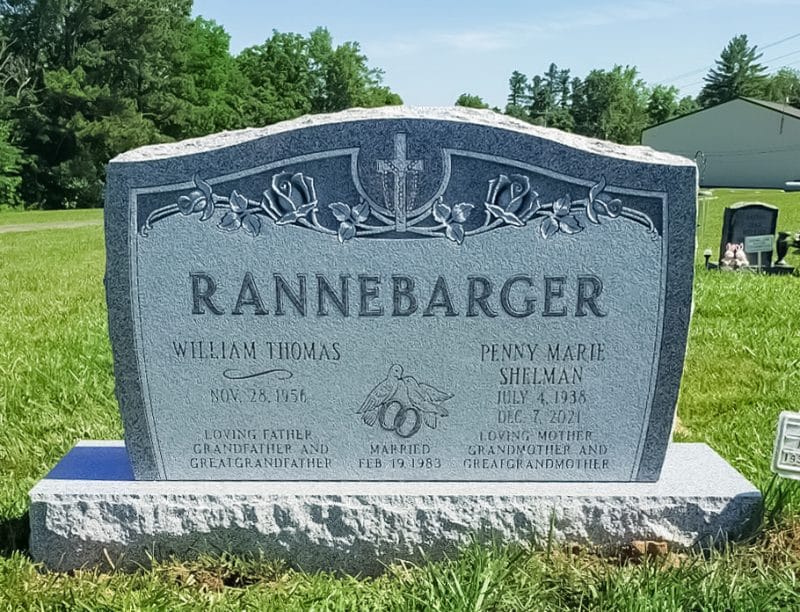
{"type": "Point", "coordinates": [749, 219]}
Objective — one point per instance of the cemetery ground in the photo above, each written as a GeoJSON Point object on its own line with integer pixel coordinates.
{"type": "Point", "coordinates": [56, 387]}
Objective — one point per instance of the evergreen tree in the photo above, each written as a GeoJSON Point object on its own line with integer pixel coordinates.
{"type": "Point", "coordinates": [517, 95]}
{"type": "Point", "coordinates": [84, 80]}
{"type": "Point", "coordinates": [737, 73]}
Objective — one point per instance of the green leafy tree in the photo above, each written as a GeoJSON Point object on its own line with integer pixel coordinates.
{"type": "Point", "coordinates": [83, 80]}
{"type": "Point", "coordinates": [471, 101]}
{"type": "Point", "coordinates": [686, 105]}
{"type": "Point", "coordinates": [279, 71]}
{"type": "Point", "coordinates": [784, 86]}
{"type": "Point", "coordinates": [10, 166]}
{"type": "Point", "coordinates": [737, 73]}
{"type": "Point", "coordinates": [662, 103]}
{"type": "Point", "coordinates": [210, 93]}
{"type": "Point", "coordinates": [342, 78]}
{"type": "Point", "coordinates": [611, 104]}
{"type": "Point", "coordinates": [101, 84]}
{"type": "Point", "coordinates": [293, 75]}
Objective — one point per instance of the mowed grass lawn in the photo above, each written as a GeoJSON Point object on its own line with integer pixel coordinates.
{"type": "Point", "coordinates": [56, 387]}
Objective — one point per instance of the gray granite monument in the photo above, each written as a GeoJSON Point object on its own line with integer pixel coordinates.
{"type": "Point", "coordinates": [746, 220]}
{"type": "Point", "coordinates": [407, 326]}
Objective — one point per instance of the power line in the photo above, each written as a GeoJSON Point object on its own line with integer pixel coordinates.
{"type": "Point", "coordinates": [767, 61]}
{"type": "Point", "coordinates": [704, 68]}
{"type": "Point", "coordinates": [782, 40]}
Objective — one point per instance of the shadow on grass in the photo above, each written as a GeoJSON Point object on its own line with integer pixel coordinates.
{"type": "Point", "coordinates": [14, 534]}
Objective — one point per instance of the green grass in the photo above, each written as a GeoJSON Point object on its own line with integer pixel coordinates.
{"type": "Point", "coordinates": [56, 387]}
{"type": "Point", "coordinates": [24, 217]}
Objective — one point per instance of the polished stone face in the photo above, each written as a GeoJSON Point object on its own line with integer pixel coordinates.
{"type": "Point", "coordinates": [746, 219]}
{"type": "Point", "coordinates": [399, 295]}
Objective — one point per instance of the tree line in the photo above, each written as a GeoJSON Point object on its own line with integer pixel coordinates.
{"type": "Point", "coordinates": [84, 80]}
{"type": "Point", "coordinates": [617, 104]}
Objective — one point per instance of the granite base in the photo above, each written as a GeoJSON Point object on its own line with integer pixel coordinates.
{"type": "Point", "coordinates": [89, 512]}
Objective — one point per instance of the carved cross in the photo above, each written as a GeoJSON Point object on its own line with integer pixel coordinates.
{"type": "Point", "coordinates": [400, 168]}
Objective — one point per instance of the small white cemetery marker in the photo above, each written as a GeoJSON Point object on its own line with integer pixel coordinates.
{"type": "Point", "coordinates": [786, 458]}
{"type": "Point", "coordinates": [758, 244]}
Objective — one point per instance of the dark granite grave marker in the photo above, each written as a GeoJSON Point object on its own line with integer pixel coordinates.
{"type": "Point", "coordinates": [745, 219]}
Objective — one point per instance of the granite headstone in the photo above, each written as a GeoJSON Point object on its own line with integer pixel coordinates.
{"type": "Point", "coordinates": [415, 298]}
{"type": "Point", "coordinates": [745, 219]}
{"type": "Point", "coordinates": [394, 324]}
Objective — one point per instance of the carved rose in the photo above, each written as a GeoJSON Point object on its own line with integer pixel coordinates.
{"type": "Point", "coordinates": [292, 196]}
{"type": "Point", "coordinates": [510, 198]}
{"type": "Point", "coordinates": [199, 199]}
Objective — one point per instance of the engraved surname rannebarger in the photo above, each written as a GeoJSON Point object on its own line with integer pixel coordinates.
{"type": "Point", "coordinates": [375, 295]}
{"type": "Point", "coordinates": [291, 198]}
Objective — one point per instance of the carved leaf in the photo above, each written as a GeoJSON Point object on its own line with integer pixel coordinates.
{"type": "Point", "coordinates": [462, 211]}
{"type": "Point", "coordinates": [305, 209]}
{"type": "Point", "coordinates": [238, 202]}
{"type": "Point", "coordinates": [504, 215]}
{"type": "Point", "coordinates": [230, 222]}
{"type": "Point", "coordinates": [441, 211]}
{"type": "Point", "coordinates": [346, 231]}
{"type": "Point", "coordinates": [208, 211]}
{"type": "Point", "coordinates": [455, 232]}
{"type": "Point", "coordinates": [289, 217]}
{"type": "Point", "coordinates": [360, 212]}
{"type": "Point", "coordinates": [596, 189]}
{"type": "Point", "coordinates": [202, 186]}
{"type": "Point", "coordinates": [340, 211]}
{"type": "Point", "coordinates": [570, 224]}
{"type": "Point", "coordinates": [251, 224]}
{"type": "Point", "coordinates": [548, 228]}
{"type": "Point", "coordinates": [591, 211]}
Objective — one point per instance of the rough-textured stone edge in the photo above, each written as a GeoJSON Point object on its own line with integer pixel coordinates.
{"type": "Point", "coordinates": [361, 527]}
{"type": "Point", "coordinates": [679, 231]}
{"type": "Point", "coordinates": [127, 386]}
{"type": "Point", "coordinates": [459, 114]}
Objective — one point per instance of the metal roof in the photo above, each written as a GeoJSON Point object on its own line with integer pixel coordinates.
{"type": "Point", "coordinates": [784, 109]}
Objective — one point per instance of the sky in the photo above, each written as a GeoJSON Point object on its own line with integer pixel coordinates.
{"type": "Point", "coordinates": [431, 52]}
